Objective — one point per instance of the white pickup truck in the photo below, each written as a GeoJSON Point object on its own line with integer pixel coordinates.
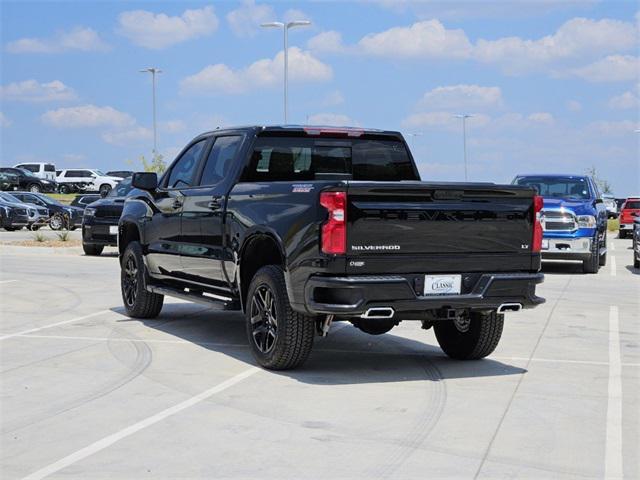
{"type": "Point", "coordinates": [94, 179]}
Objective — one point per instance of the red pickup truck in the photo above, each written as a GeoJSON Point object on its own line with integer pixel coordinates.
{"type": "Point", "coordinates": [629, 211]}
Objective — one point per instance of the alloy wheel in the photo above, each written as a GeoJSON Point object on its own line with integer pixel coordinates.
{"type": "Point", "coordinates": [264, 320]}
{"type": "Point", "coordinates": [130, 280]}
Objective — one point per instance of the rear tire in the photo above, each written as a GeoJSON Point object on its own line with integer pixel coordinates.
{"type": "Point", "coordinates": [104, 190]}
{"type": "Point", "coordinates": [92, 250]}
{"type": "Point", "coordinates": [56, 222]}
{"type": "Point", "coordinates": [636, 262]}
{"type": "Point", "coordinates": [280, 337]}
{"type": "Point", "coordinates": [479, 340]}
{"type": "Point", "coordinates": [64, 189]}
{"type": "Point", "coordinates": [138, 302]}
{"type": "Point", "coordinates": [34, 188]}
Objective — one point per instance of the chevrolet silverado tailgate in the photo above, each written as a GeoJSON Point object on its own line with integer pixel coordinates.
{"type": "Point", "coordinates": [439, 225]}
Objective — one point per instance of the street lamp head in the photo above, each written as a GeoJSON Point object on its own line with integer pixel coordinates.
{"type": "Point", "coordinates": [298, 23]}
{"type": "Point", "coordinates": [272, 25]}
{"type": "Point", "coordinates": [151, 70]}
{"type": "Point", "coordinates": [463, 115]}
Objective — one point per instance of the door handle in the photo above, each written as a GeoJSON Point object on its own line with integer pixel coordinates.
{"type": "Point", "coordinates": [215, 204]}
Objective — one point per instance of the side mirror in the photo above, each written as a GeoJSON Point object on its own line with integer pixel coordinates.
{"type": "Point", "coordinates": [145, 180]}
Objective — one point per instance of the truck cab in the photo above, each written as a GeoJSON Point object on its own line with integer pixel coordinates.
{"type": "Point", "coordinates": [574, 218]}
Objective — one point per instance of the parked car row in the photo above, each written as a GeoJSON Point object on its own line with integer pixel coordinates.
{"type": "Point", "coordinates": [43, 177]}
{"type": "Point", "coordinates": [34, 210]}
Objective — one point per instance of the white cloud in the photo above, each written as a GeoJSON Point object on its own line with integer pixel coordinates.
{"type": "Point", "coordinates": [332, 119]}
{"type": "Point", "coordinates": [333, 99]}
{"type": "Point", "coordinates": [219, 78]}
{"type": "Point", "coordinates": [87, 116]}
{"type": "Point", "coordinates": [173, 126]}
{"type": "Point", "coordinates": [541, 118]}
{"type": "Point", "coordinates": [427, 39]}
{"type": "Point", "coordinates": [4, 121]}
{"type": "Point", "coordinates": [327, 42]}
{"type": "Point", "coordinates": [576, 41]}
{"type": "Point", "coordinates": [574, 106]}
{"type": "Point", "coordinates": [293, 14]}
{"type": "Point", "coordinates": [613, 128]}
{"type": "Point", "coordinates": [626, 100]}
{"type": "Point", "coordinates": [33, 91]}
{"type": "Point", "coordinates": [577, 38]}
{"type": "Point", "coordinates": [245, 21]}
{"type": "Point", "coordinates": [79, 38]}
{"type": "Point", "coordinates": [132, 136]}
{"type": "Point", "coordinates": [158, 31]}
{"type": "Point", "coordinates": [614, 68]}
{"type": "Point", "coordinates": [453, 97]}
{"type": "Point", "coordinates": [444, 120]}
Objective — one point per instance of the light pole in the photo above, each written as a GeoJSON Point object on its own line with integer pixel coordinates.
{"type": "Point", "coordinates": [464, 117]}
{"type": "Point", "coordinates": [153, 71]}
{"type": "Point", "coordinates": [285, 28]}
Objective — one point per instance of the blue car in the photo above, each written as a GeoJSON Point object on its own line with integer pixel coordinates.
{"type": "Point", "coordinates": [574, 218]}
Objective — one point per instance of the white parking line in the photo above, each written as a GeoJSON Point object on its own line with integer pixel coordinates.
{"type": "Point", "coordinates": [136, 427]}
{"type": "Point", "coordinates": [613, 266]}
{"type": "Point", "coordinates": [613, 442]}
{"type": "Point", "coordinates": [7, 281]}
{"type": "Point", "coordinates": [612, 246]}
{"type": "Point", "coordinates": [77, 319]}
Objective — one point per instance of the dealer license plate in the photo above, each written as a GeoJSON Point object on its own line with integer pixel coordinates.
{"type": "Point", "coordinates": [442, 284]}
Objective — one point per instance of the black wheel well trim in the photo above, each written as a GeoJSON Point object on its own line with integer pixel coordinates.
{"type": "Point", "coordinates": [256, 234]}
{"type": "Point", "coordinates": [125, 229]}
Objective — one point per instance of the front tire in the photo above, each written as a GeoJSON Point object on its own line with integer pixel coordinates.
{"type": "Point", "coordinates": [138, 302]}
{"type": "Point", "coordinates": [92, 250]}
{"type": "Point", "coordinates": [603, 258]}
{"type": "Point", "coordinates": [280, 337]}
{"type": "Point", "coordinates": [105, 189]}
{"type": "Point", "coordinates": [479, 339]}
{"type": "Point", "coordinates": [65, 189]}
{"type": "Point", "coordinates": [35, 188]}
{"type": "Point", "coordinates": [592, 265]}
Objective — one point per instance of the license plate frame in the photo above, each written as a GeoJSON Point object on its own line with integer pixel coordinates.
{"type": "Point", "coordinates": [438, 285]}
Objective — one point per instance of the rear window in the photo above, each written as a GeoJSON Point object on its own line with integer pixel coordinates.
{"type": "Point", "coordinates": [632, 205]}
{"type": "Point", "coordinates": [49, 167]}
{"type": "Point", "coordinates": [30, 167]}
{"type": "Point", "coordinates": [299, 158]}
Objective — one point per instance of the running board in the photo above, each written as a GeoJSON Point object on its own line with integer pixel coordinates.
{"type": "Point", "coordinates": [217, 302]}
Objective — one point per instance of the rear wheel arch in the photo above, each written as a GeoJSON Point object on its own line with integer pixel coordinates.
{"type": "Point", "coordinates": [258, 250]}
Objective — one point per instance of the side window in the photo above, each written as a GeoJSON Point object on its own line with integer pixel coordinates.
{"type": "Point", "coordinates": [85, 174]}
{"type": "Point", "coordinates": [70, 173]}
{"type": "Point", "coordinates": [32, 168]}
{"type": "Point", "coordinates": [184, 169]}
{"type": "Point", "coordinates": [220, 159]}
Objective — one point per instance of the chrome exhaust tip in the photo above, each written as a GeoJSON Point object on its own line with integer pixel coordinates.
{"type": "Point", "coordinates": [509, 307]}
{"type": "Point", "coordinates": [378, 312]}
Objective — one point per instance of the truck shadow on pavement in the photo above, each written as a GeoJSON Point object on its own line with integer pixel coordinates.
{"type": "Point", "coordinates": [561, 268]}
{"type": "Point", "coordinates": [347, 356]}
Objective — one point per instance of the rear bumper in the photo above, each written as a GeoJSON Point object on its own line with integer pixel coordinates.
{"type": "Point", "coordinates": [352, 296]}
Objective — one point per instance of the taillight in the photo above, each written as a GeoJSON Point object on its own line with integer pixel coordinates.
{"type": "Point", "coordinates": [538, 203]}
{"type": "Point", "coordinates": [334, 230]}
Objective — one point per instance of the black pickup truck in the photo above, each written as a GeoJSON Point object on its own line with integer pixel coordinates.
{"type": "Point", "coordinates": [302, 226]}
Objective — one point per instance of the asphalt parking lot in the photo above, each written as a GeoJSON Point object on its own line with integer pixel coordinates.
{"type": "Point", "coordinates": [90, 393]}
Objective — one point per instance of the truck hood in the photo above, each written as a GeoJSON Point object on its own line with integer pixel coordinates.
{"type": "Point", "coordinates": [579, 207]}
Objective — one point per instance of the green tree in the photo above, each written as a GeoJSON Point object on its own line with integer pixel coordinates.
{"type": "Point", "coordinates": [604, 185]}
{"type": "Point", "coordinates": [157, 163]}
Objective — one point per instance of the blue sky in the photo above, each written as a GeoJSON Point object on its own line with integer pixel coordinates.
{"type": "Point", "coordinates": [553, 86]}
